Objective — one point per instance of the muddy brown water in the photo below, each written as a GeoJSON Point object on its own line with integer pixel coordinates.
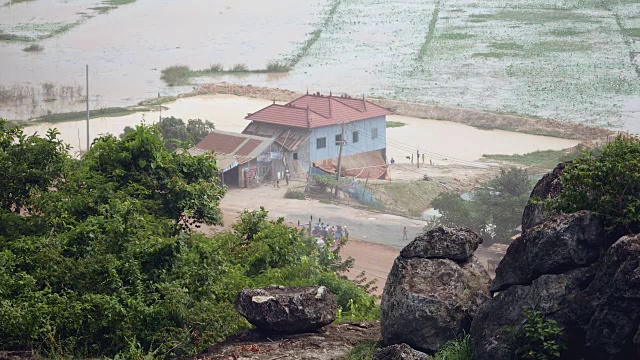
{"type": "Point", "coordinates": [447, 141]}
{"type": "Point", "coordinates": [128, 47]}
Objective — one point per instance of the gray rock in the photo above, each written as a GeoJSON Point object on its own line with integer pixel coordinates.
{"type": "Point", "coordinates": [427, 302]}
{"type": "Point", "coordinates": [287, 309]}
{"type": "Point", "coordinates": [548, 187]}
{"type": "Point", "coordinates": [399, 352]}
{"type": "Point", "coordinates": [443, 242]}
{"type": "Point", "coordinates": [562, 243]}
{"type": "Point", "coordinates": [598, 306]}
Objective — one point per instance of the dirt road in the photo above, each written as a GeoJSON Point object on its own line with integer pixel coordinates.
{"type": "Point", "coordinates": [376, 238]}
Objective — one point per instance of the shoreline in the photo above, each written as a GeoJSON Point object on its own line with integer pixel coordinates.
{"type": "Point", "coordinates": [483, 120]}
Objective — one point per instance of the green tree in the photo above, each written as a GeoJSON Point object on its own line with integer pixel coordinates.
{"type": "Point", "coordinates": [105, 263]}
{"type": "Point", "coordinates": [198, 129]}
{"type": "Point", "coordinates": [494, 210]}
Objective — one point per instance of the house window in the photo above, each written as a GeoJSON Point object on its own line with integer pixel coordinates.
{"type": "Point", "coordinates": [374, 133]}
{"type": "Point", "coordinates": [295, 156]}
{"type": "Point", "coordinates": [321, 143]}
{"type": "Point", "coordinates": [338, 139]}
{"type": "Point", "coordinates": [356, 136]}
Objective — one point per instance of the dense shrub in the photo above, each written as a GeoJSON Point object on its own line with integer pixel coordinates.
{"type": "Point", "coordinates": [176, 75]}
{"type": "Point", "coordinates": [294, 194]}
{"type": "Point", "coordinates": [108, 264]}
{"type": "Point", "coordinates": [540, 339]}
{"type": "Point", "coordinates": [606, 183]}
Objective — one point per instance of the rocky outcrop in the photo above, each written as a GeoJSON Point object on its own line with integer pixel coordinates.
{"type": "Point", "coordinates": [453, 243]}
{"type": "Point", "coordinates": [563, 242]}
{"type": "Point", "coordinates": [287, 309]}
{"type": "Point", "coordinates": [433, 290]}
{"type": "Point", "coordinates": [596, 302]}
{"type": "Point", "coordinates": [399, 352]}
{"type": "Point", "coordinates": [548, 187]}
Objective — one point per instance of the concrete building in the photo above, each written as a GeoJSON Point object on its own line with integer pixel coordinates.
{"type": "Point", "coordinates": [309, 131]}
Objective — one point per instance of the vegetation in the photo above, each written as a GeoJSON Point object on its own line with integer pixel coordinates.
{"type": "Point", "coordinates": [457, 349]}
{"type": "Point", "coordinates": [108, 263]}
{"type": "Point", "coordinates": [275, 67]}
{"type": "Point", "coordinates": [239, 68]}
{"type": "Point", "coordinates": [395, 124]}
{"type": "Point", "coordinates": [295, 194]}
{"type": "Point", "coordinates": [33, 48]}
{"type": "Point", "coordinates": [606, 183]}
{"type": "Point", "coordinates": [315, 35]}
{"type": "Point", "coordinates": [406, 197]}
{"type": "Point", "coordinates": [494, 210]}
{"type": "Point", "coordinates": [176, 134]}
{"type": "Point", "coordinates": [538, 160]}
{"type": "Point", "coordinates": [540, 340]}
{"type": "Point", "coordinates": [176, 75]}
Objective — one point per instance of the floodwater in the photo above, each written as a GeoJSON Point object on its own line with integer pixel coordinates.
{"type": "Point", "coordinates": [127, 48]}
{"type": "Point", "coordinates": [452, 141]}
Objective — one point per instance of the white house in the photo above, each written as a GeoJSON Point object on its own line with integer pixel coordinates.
{"type": "Point", "coordinates": [309, 131]}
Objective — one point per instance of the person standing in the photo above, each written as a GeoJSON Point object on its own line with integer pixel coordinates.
{"type": "Point", "coordinates": [286, 176]}
{"type": "Point", "coordinates": [404, 234]}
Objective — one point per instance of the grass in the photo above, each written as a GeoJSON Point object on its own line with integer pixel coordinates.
{"type": "Point", "coordinates": [81, 115]}
{"type": "Point", "coordinates": [395, 124]}
{"type": "Point", "coordinates": [455, 36]}
{"type": "Point", "coordinates": [458, 349]}
{"type": "Point", "coordinates": [406, 197]}
{"type": "Point", "coordinates": [633, 32]}
{"type": "Point", "coordinates": [216, 68]}
{"type": "Point", "coordinates": [432, 29]}
{"type": "Point", "coordinates": [157, 101]}
{"type": "Point", "coordinates": [33, 48]}
{"type": "Point", "coordinates": [295, 194]}
{"type": "Point", "coordinates": [363, 350]}
{"type": "Point", "coordinates": [14, 38]}
{"type": "Point", "coordinates": [315, 35]}
{"type": "Point", "coordinates": [508, 46]}
{"type": "Point", "coordinates": [559, 46]}
{"type": "Point", "coordinates": [565, 32]}
{"type": "Point", "coordinates": [492, 55]}
{"type": "Point", "coordinates": [276, 67]}
{"type": "Point", "coordinates": [178, 75]}
{"type": "Point", "coordinates": [534, 16]}
{"type": "Point", "coordinates": [539, 160]}
{"type": "Point", "coordinates": [239, 68]}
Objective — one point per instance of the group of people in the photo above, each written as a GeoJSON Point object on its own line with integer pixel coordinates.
{"type": "Point", "coordinates": [325, 233]}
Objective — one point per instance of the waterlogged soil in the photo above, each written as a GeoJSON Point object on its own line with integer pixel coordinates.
{"type": "Point", "coordinates": [444, 142]}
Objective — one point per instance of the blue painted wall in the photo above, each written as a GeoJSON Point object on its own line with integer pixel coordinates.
{"type": "Point", "coordinates": [365, 142]}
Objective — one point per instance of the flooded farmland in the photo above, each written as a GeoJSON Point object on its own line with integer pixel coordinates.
{"type": "Point", "coordinates": [227, 112]}
{"type": "Point", "coordinates": [569, 60]}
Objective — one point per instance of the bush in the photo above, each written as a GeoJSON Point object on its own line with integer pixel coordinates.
{"type": "Point", "coordinates": [275, 66]}
{"type": "Point", "coordinates": [607, 184]}
{"type": "Point", "coordinates": [176, 75]}
{"type": "Point", "coordinates": [294, 194]}
{"type": "Point", "coordinates": [239, 68]}
{"type": "Point", "coordinates": [216, 68]}
{"type": "Point", "coordinates": [33, 48]}
{"type": "Point", "coordinates": [540, 340]}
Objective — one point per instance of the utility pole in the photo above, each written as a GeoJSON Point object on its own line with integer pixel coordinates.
{"type": "Point", "coordinates": [88, 115]}
{"type": "Point", "coordinates": [339, 159]}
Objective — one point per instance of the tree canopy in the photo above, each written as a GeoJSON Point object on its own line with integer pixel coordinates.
{"type": "Point", "coordinates": [176, 134]}
{"type": "Point", "coordinates": [494, 209]}
{"type": "Point", "coordinates": [99, 256]}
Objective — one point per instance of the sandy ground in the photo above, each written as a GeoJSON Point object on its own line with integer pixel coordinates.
{"type": "Point", "coordinates": [376, 238]}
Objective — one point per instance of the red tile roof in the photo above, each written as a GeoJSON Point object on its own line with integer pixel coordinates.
{"type": "Point", "coordinates": [312, 111]}
{"type": "Point", "coordinates": [286, 136]}
{"type": "Point", "coordinates": [241, 146]}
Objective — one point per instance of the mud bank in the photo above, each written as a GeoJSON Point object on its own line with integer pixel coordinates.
{"type": "Point", "coordinates": [475, 118]}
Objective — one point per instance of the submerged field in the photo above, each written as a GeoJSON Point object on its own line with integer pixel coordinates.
{"type": "Point", "coordinates": [574, 60]}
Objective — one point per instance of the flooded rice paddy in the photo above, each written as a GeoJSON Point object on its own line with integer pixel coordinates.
{"type": "Point", "coordinates": [457, 141]}
{"type": "Point", "coordinates": [568, 60]}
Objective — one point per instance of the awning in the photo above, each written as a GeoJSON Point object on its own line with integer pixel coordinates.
{"type": "Point", "coordinates": [364, 165]}
{"type": "Point", "coordinates": [226, 163]}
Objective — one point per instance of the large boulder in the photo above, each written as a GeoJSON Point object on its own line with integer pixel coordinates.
{"type": "Point", "coordinates": [431, 296]}
{"type": "Point", "coordinates": [399, 352]}
{"type": "Point", "coordinates": [453, 243]}
{"type": "Point", "coordinates": [561, 243]}
{"type": "Point", "coordinates": [548, 187]}
{"type": "Point", "coordinates": [597, 304]}
{"type": "Point", "coordinates": [287, 309]}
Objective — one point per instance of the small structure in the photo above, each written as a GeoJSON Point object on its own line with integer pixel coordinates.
{"type": "Point", "coordinates": [244, 160]}
{"type": "Point", "coordinates": [309, 129]}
